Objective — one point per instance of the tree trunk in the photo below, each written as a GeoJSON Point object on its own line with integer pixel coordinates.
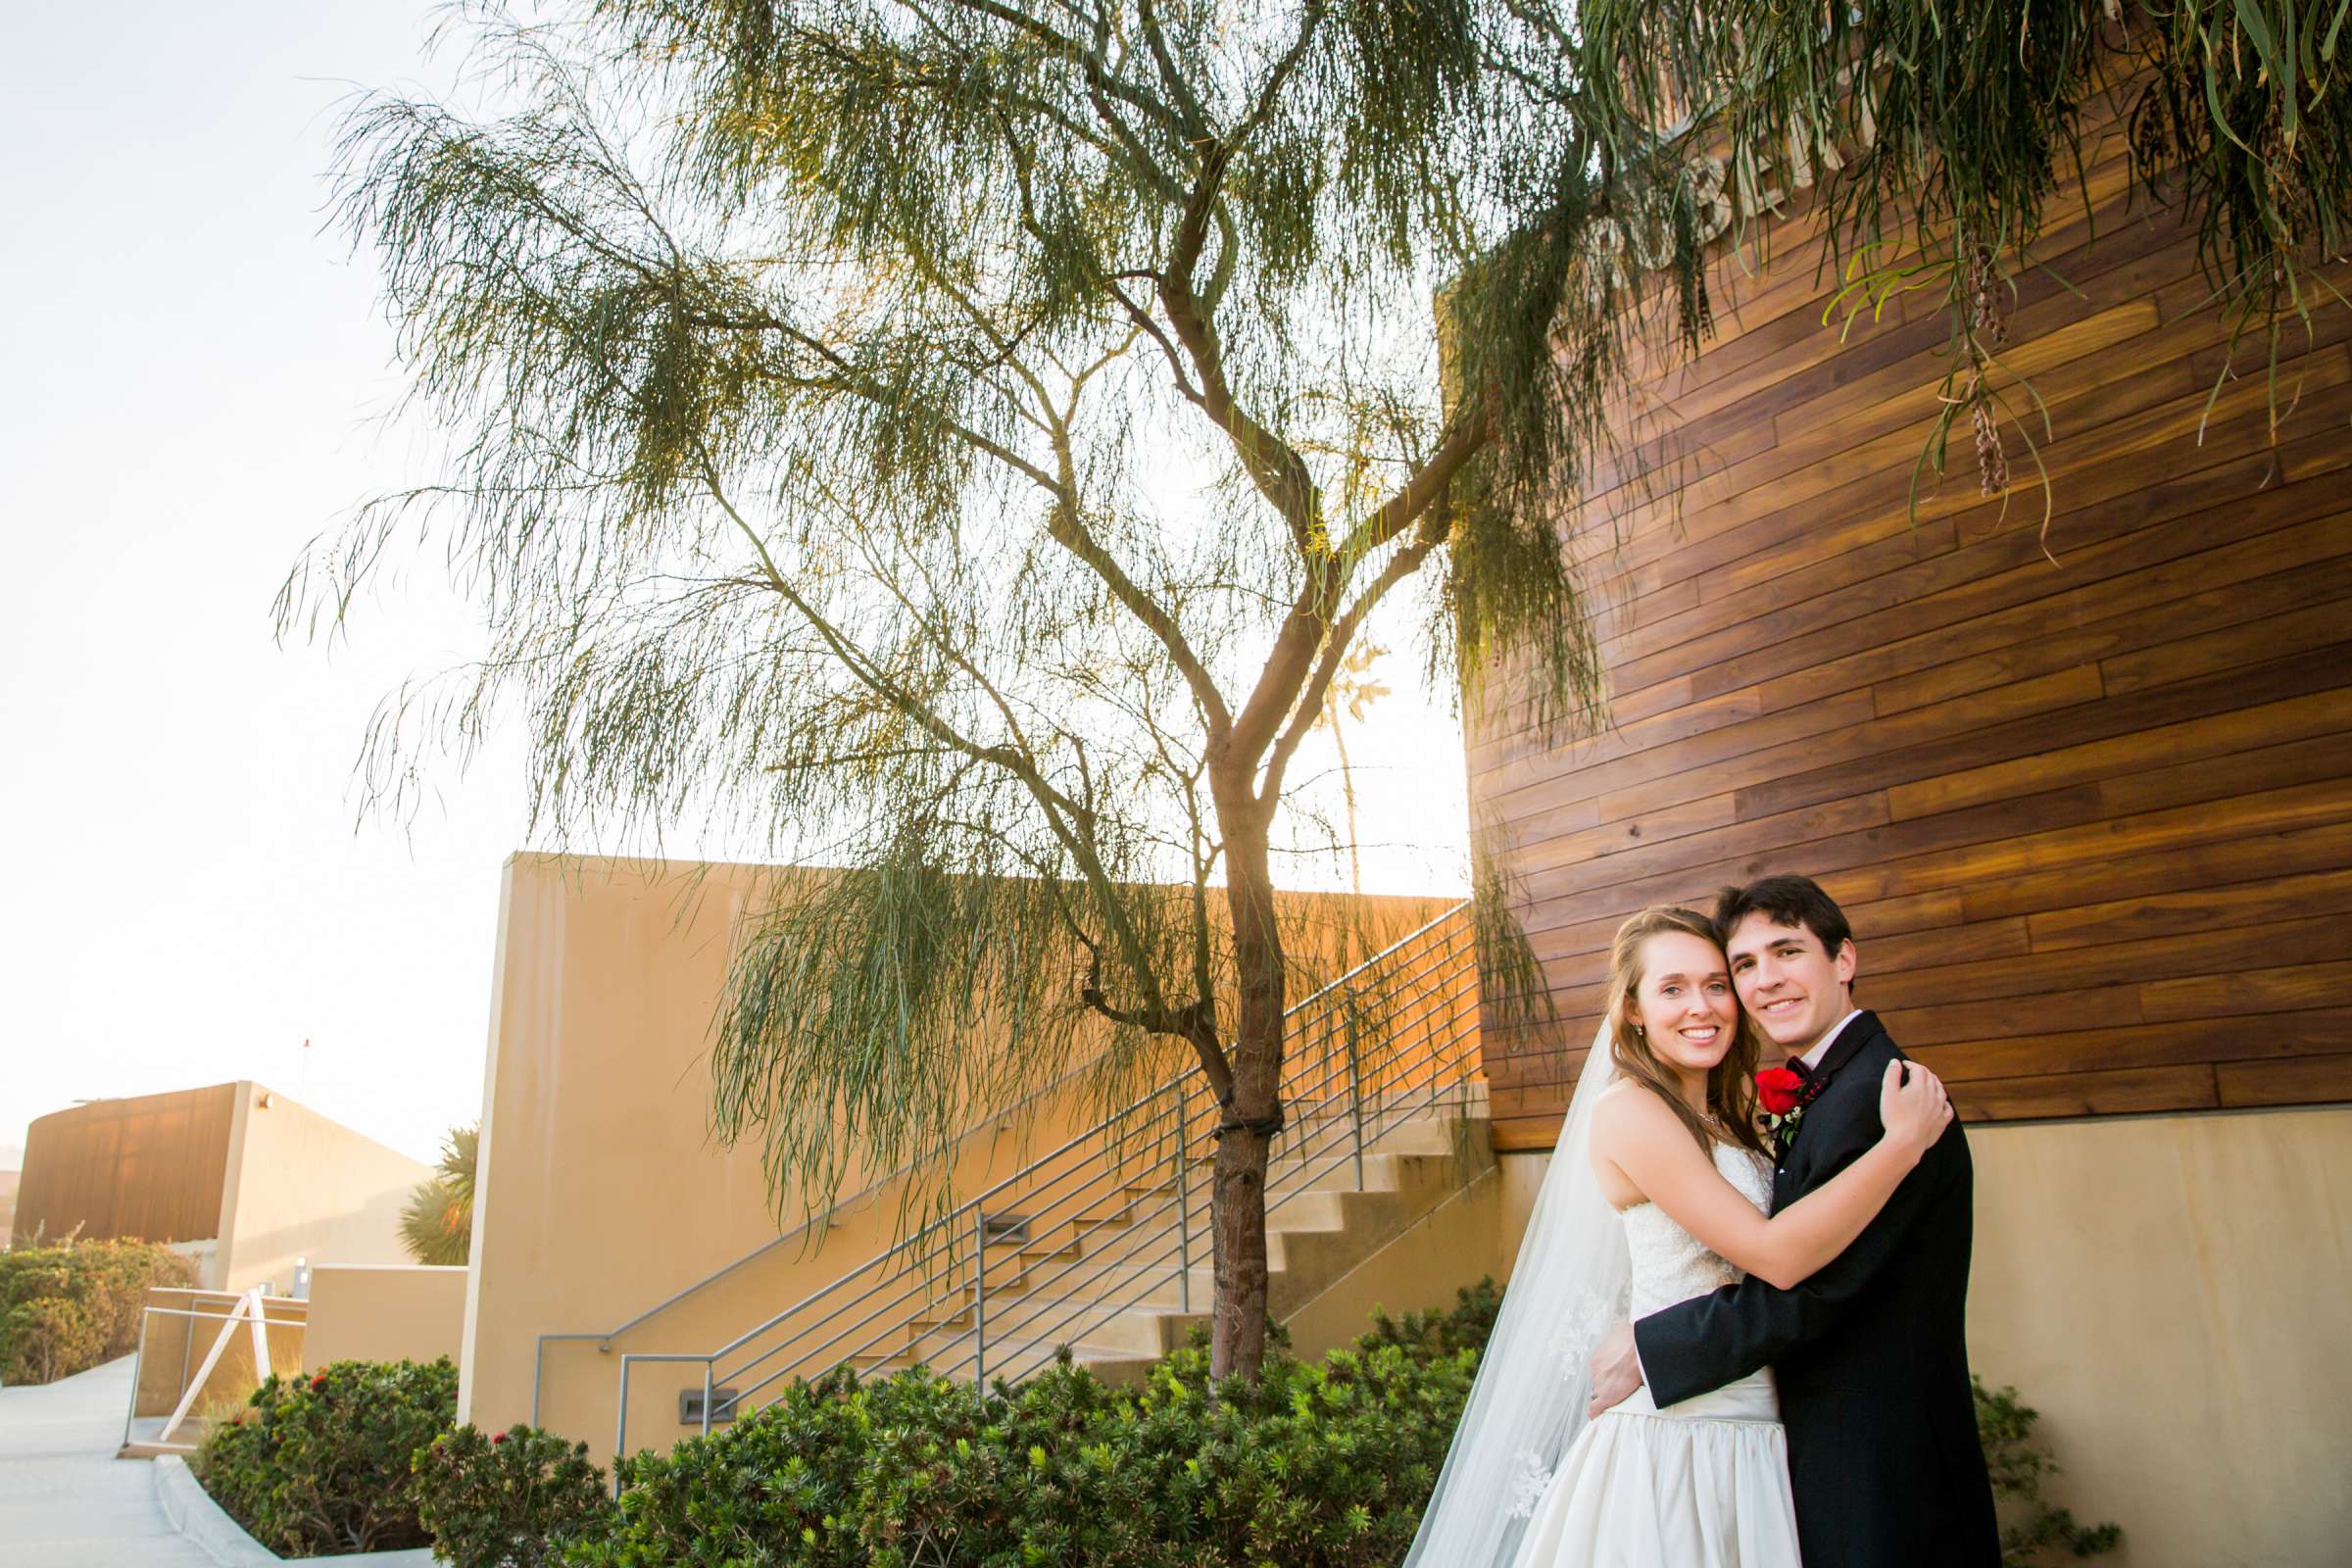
{"type": "Point", "coordinates": [1237, 1207]}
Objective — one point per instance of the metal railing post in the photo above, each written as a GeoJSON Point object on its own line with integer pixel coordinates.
{"type": "Point", "coordinates": [138, 1359]}
{"type": "Point", "coordinates": [1183, 1209]}
{"type": "Point", "coordinates": [1355, 1089]}
{"type": "Point", "coordinates": [708, 1369]}
{"type": "Point", "coordinates": [620, 1427]}
{"type": "Point", "coordinates": [979, 1301]}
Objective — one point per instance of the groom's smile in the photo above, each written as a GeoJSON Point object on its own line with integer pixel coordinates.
{"type": "Point", "coordinates": [1793, 987]}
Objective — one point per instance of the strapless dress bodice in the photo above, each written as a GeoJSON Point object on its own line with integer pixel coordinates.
{"type": "Point", "coordinates": [1669, 1264]}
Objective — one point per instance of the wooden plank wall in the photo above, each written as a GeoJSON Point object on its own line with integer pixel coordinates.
{"type": "Point", "coordinates": [2093, 819]}
{"type": "Point", "coordinates": [152, 1167]}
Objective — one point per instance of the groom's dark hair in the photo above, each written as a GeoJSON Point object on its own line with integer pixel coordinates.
{"type": "Point", "coordinates": [1786, 900]}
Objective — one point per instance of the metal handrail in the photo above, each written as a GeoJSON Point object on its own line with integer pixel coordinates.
{"type": "Point", "coordinates": [981, 1125]}
{"type": "Point", "coordinates": [1302, 1155]}
{"type": "Point", "coordinates": [954, 1218]}
{"type": "Point", "coordinates": [1146, 1150]}
{"type": "Point", "coordinates": [138, 1351]}
{"type": "Point", "coordinates": [1306, 1156]}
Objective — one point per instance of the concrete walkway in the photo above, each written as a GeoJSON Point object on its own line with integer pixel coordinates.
{"type": "Point", "coordinates": [65, 1501]}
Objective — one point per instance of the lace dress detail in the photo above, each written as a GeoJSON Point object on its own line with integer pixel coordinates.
{"type": "Point", "coordinates": [1672, 1266]}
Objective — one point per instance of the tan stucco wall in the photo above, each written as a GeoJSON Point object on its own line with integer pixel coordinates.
{"type": "Point", "coordinates": [600, 1192]}
{"type": "Point", "coordinates": [2174, 1294]}
{"type": "Point", "coordinates": [384, 1313]}
{"type": "Point", "coordinates": [1453, 1246]}
{"type": "Point", "coordinates": [302, 1186]}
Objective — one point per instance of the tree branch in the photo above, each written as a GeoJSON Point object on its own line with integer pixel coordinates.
{"type": "Point", "coordinates": [1068, 529]}
{"type": "Point", "coordinates": [1400, 566]}
{"type": "Point", "coordinates": [1022, 768]}
{"type": "Point", "coordinates": [1279, 472]}
{"type": "Point", "coordinates": [1468, 437]}
{"type": "Point", "coordinates": [1313, 613]}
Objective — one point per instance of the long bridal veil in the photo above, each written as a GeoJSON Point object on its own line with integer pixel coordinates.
{"type": "Point", "coordinates": [1568, 1289]}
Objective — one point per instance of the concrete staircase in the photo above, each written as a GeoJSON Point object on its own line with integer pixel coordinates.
{"type": "Point", "coordinates": [1118, 1316]}
{"type": "Point", "coordinates": [1102, 1248]}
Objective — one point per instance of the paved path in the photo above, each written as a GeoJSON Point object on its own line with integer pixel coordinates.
{"type": "Point", "coordinates": [65, 1501]}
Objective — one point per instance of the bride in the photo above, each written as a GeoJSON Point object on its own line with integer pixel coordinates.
{"type": "Point", "coordinates": [1657, 1192]}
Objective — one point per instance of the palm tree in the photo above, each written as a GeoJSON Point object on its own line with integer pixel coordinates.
{"type": "Point", "coordinates": [437, 1224]}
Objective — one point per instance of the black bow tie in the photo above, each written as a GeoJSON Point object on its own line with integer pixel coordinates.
{"type": "Point", "coordinates": [1796, 1065]}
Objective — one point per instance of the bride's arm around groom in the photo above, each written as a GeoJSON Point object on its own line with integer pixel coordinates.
{"type": "Point", "coordinates": [1870, 1351]}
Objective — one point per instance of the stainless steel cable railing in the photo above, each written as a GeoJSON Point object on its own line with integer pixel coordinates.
{"type": "Point", "coordinates": [1116, 1218]}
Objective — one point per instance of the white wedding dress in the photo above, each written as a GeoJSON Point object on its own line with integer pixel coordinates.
{"type": "Point", "coordinates": [1703, 1483]}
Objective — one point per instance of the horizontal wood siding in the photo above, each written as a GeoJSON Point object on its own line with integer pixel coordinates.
{"type": "Point", "coordinates": [151, 1168]}
{"type": "Point", "coordinates": [2092, 816]}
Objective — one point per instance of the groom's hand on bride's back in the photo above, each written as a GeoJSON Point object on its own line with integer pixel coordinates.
{"type": "Point", "coordinates": [1616, 1371]}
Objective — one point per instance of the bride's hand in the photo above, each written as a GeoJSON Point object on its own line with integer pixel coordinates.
{"type": "Point", "coordinates": [1914, 1113]}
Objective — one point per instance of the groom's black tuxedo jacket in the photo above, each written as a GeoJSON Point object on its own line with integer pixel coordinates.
{"type": "Point", "coordinates": [1870, 1354]}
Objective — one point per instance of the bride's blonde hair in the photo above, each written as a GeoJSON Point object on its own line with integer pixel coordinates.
{"type": "Point", "coordinates": [1730, 1086]}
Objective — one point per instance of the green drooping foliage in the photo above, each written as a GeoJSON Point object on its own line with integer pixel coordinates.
{"type": "Point", "coordinates": [506, 1500]}
{"type": "Point", "coordinates": [1940, 136]}
{"type": "Point", "coordinates": [321, 1465]}
{"type": "Point", "coordinates": [437, 1224]}
{"type": "Point", "coordinates": [67, 1307]}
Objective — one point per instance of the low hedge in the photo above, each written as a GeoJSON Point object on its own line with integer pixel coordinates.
{"type": "Point", "coordinates": [1321, 1464]}
{"type": "Point", "coordinates": [72, 1306]}
{"type": "Point", "coordinates": [322, 1464]}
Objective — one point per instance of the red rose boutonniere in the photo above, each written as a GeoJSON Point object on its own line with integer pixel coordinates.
{"type": "Point", "coordinates": [1781, 1093]}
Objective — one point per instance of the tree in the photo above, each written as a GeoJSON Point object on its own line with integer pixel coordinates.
{"type": "Point", "coordinates": [437, 1224]}
{"type": "Point", "coordinates": [959, 443]}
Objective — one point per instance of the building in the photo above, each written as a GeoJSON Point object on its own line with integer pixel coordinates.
{"type": "Point", "coordinates": [2085, 792]}
{"type": "Point", "coordinates": [236, 1175]}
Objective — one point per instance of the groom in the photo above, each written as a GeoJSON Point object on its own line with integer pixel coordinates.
{"type": "Point", "coordinates": [1870, 1354]}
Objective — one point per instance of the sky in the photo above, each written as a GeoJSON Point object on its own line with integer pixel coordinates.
{"type": "Point", "coordinates": [197, 378]}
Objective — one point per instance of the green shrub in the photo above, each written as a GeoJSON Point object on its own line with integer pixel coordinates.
{"type": "Point", "coordinates": [2030, 1528]}
{"type": "Point", "coordinates": [322, 1464]}
{"type": "Point", "coordinates": [511, 1500]}
{"type": "Point", "coordinates": [1318, 1465]}
{"type": "Point", "coordinates": [69, 1307]}
{"type": "Point", "coordinates": [1466, 1326]}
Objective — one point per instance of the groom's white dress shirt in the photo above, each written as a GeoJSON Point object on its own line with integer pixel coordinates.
{"type": "Point", "coordinates": [1821, 1047]}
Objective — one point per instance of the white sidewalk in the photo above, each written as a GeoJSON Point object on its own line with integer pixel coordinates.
{"type": "Point", "coordinates": [65, 1501]}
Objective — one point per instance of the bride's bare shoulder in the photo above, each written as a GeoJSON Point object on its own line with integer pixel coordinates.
{"type": "Point", "coordinates": [1629, 1106]}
